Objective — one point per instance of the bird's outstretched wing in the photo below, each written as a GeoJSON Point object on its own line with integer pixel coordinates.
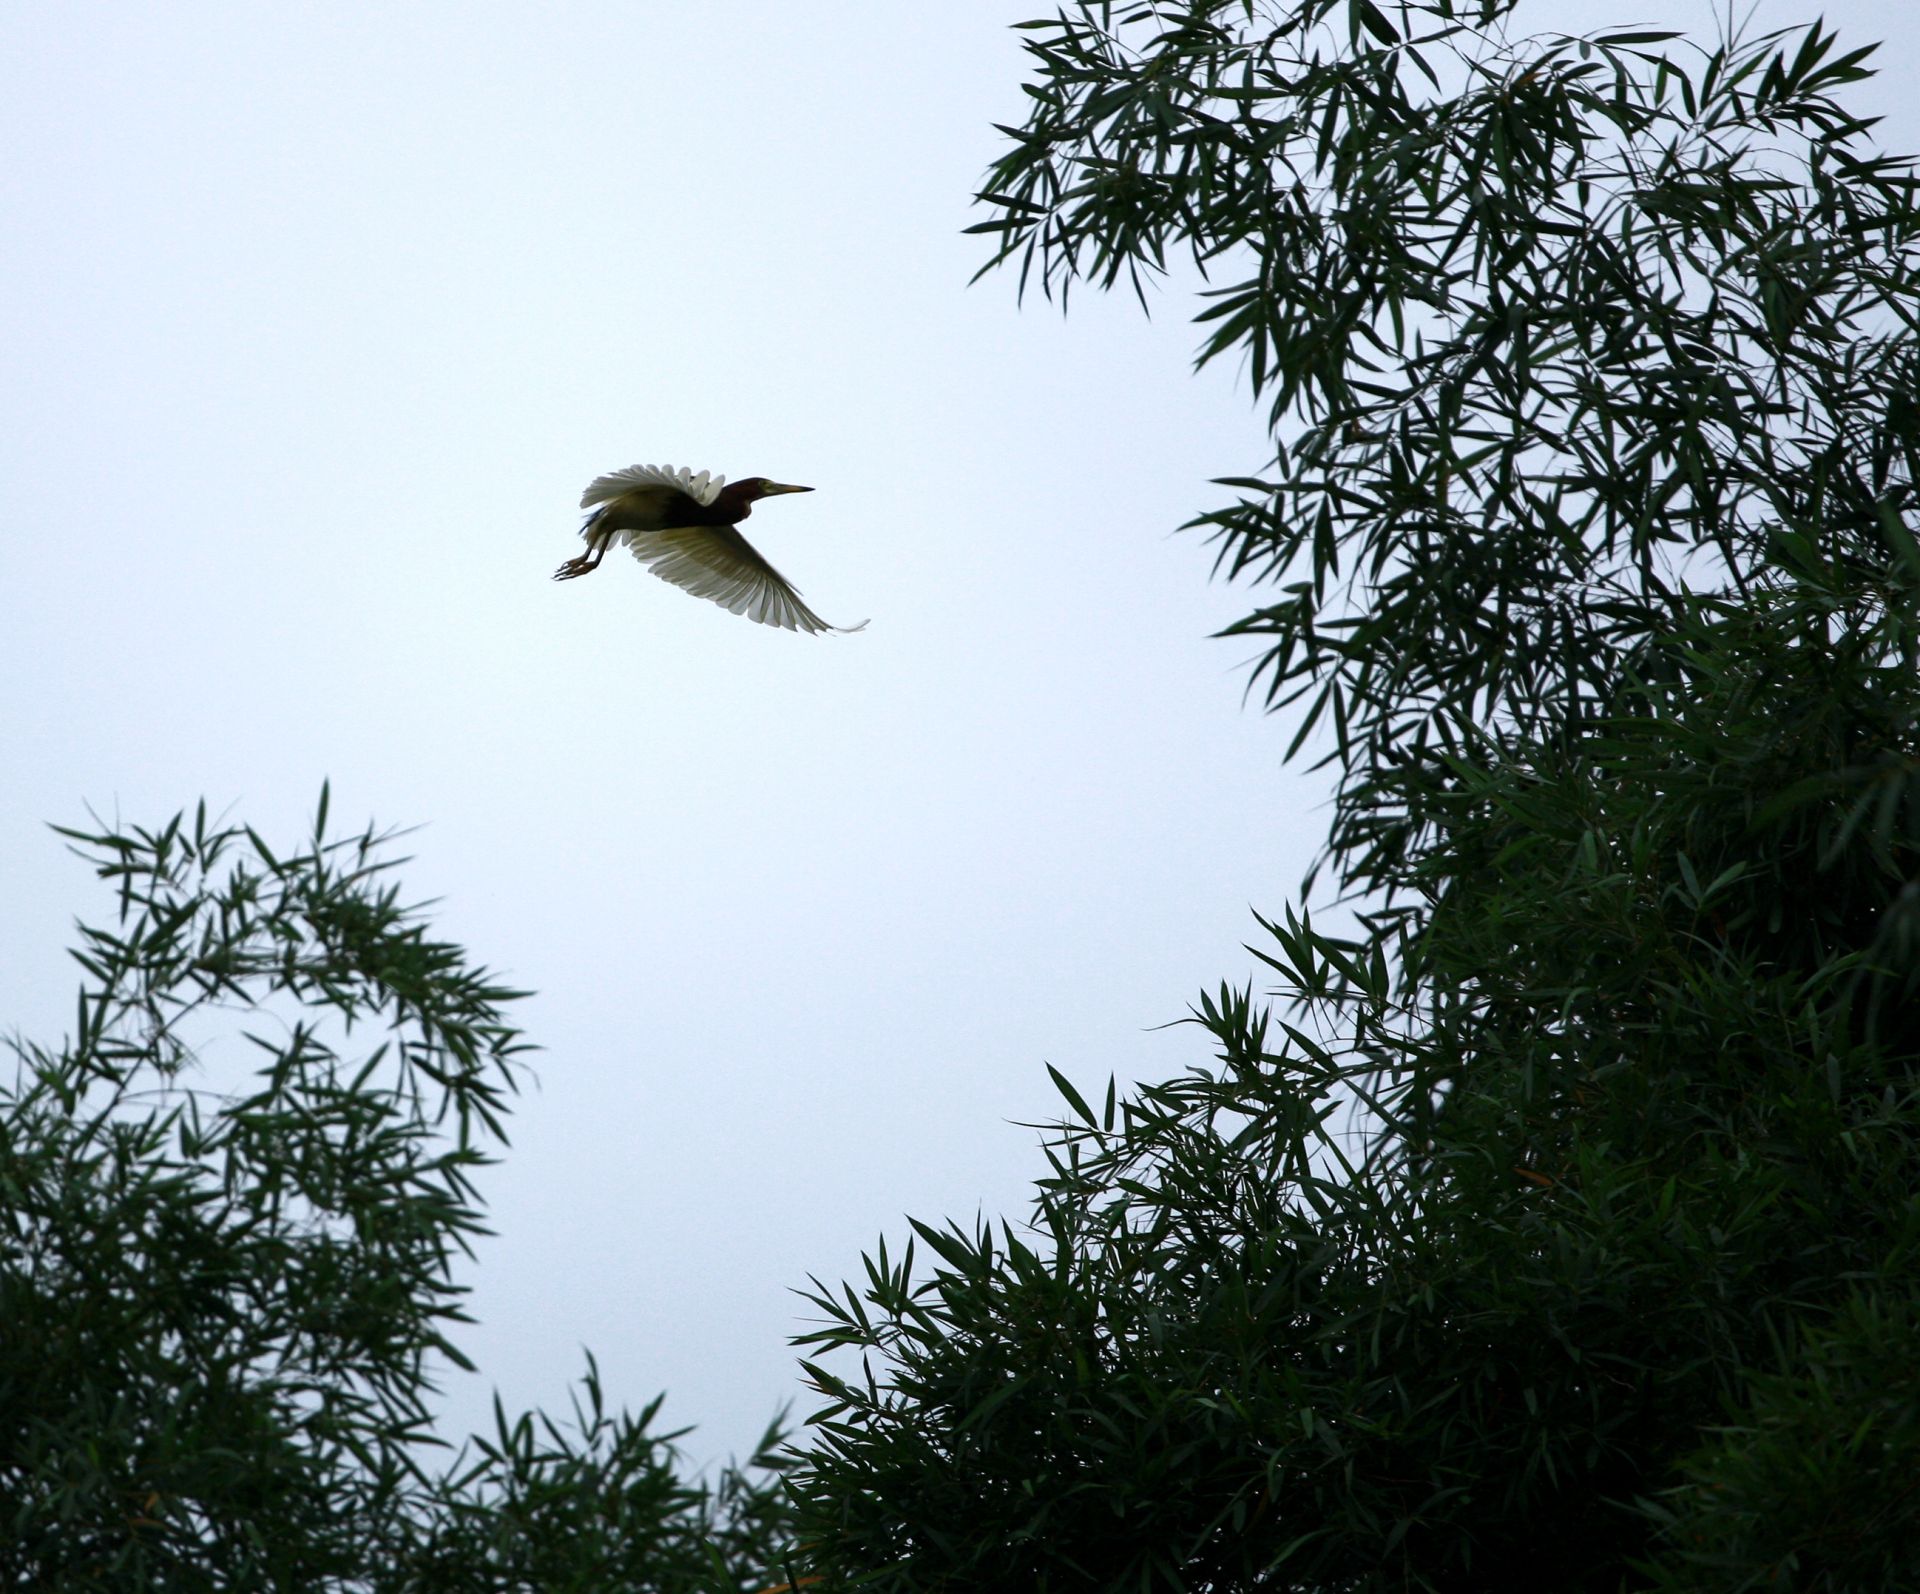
{"type": "Point", "coordinates": [702, 489]}
{"type": "Point", "coordinates": [716, 562]}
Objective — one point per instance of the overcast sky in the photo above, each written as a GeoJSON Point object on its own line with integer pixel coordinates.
{"type": "Point", "coordinates": [317, 319]}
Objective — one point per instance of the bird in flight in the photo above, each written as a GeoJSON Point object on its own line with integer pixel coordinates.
{"type": "Point", "coordinates": [681, 527]}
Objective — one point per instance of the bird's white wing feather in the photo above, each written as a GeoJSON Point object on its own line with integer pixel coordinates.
{"type": "Point", "coordinates": [717, 563]}
{"type": "Point", "coordinates": [702, 489]}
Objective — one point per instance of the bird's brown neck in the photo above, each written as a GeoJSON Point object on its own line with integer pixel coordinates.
{"type": "Point", "coordinates": [734, 503]}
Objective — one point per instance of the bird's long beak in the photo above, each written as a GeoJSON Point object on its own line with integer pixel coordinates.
{"type": "Point", "coordinates": [781, 487]}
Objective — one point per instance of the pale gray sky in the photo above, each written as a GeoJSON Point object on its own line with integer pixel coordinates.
{"type": "Point", "coordinates": [317, 319]}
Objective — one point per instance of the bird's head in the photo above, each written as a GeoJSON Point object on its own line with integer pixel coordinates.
{"type": "Point", "coordinates": [737, 499]}
{"type": "Point", "coordinates": [759, 487]}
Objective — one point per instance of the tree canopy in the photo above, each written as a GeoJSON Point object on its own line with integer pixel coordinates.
{"type": "Point", "coordinates": [227, 1286]}
{"type": "Point", "coordinates": [1554, 1225]}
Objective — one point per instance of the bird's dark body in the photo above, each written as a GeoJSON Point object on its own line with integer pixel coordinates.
{"type": "Point", "coordinates": [663, 509]}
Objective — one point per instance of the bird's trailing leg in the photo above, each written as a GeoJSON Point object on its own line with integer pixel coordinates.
{"type": "Point", "coordinates": [590, 560]}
